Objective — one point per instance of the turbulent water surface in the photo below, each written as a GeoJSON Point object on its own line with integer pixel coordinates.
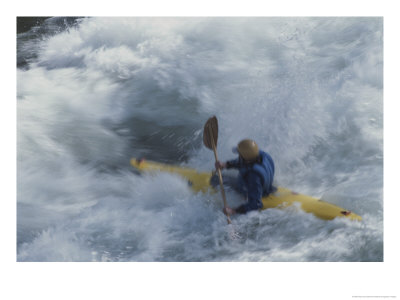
{"type": "Point", "coordinates": [94, 92]}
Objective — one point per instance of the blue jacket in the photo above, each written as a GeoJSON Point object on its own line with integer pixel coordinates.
{"type": "Point", "coordinates": [255, 180]}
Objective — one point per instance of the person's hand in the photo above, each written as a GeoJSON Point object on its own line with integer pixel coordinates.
{"type": "Point", "coordinates": [228, 211]}
{"type": "Point", "coordinates": [219, 165]}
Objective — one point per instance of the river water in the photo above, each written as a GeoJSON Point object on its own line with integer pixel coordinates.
{"type": "Point", "coordinates": [94, 92]}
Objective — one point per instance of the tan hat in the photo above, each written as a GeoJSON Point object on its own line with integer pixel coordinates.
{"type": "Point", "coordinates": [248, 149]}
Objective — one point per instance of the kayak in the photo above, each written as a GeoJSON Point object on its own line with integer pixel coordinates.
{"type": "Point", "coordinates": [281, 198]}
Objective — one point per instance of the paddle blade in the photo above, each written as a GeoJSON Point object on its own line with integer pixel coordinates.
{"type": "Point", "coordinates": [210, 134]}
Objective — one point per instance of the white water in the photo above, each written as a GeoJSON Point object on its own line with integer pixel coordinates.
{"type": "Point", "coordinates": [308, 90]}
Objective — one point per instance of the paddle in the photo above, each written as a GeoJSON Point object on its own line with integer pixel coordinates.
{"type": "Point", "coordinates": [210, 138]}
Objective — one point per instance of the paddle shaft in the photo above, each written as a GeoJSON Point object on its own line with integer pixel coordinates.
{"type": "Point", "coordinates": [221, 183]}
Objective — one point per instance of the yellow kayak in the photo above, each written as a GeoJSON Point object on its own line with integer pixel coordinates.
{"type": "Point", "coordinates": [200, 182]}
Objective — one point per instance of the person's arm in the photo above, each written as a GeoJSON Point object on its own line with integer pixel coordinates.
{"type": "Point", "coordinates": [234, 163]}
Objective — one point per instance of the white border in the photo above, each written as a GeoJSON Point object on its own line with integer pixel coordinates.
{"type": "Point", "coordinates": [198, 280]}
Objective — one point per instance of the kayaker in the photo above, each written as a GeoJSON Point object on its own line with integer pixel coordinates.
{"type": "Point", "coordinates": [256, 173]}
